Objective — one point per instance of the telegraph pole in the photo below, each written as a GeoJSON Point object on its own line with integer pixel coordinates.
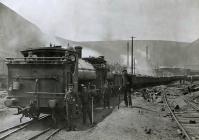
{"type": "Point", "coordinates": [132, 60]}
{"type": "Point", "coordinates": [127, 55]}
{"type": "Point", "coordinates": [134, 66]}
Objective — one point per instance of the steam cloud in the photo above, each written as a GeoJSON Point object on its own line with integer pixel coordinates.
{"type": "Point", "coordinates": [142, 65]}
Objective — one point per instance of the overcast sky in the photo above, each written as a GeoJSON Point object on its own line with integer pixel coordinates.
{"type": "Point", "coordinates": [77, 20]}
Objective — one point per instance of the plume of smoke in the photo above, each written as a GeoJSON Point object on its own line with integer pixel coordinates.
{"type": "Point", "coordinates": [142, 65]}
{"type": "Point", "coordinates": [86, 52]}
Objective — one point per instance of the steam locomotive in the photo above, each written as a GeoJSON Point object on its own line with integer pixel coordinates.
{"type": "Point", "coordinates": [37, 82]}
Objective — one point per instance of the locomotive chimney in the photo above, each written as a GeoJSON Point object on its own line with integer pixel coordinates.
{"type": "Point", "coordinates": [79, 51]}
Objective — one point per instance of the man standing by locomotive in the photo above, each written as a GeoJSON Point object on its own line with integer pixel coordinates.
{"type": "Point", "coordinates": [86, 99]}
{"type": "Point", "coordinates": [70, 103]}
{"type": "Point", "coordinates": [126, 86]}
{"type": "Point", "coordinates": [106, 94]}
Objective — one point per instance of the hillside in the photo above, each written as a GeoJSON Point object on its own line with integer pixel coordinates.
{"type": "Point", "coordinates": [17, 33]}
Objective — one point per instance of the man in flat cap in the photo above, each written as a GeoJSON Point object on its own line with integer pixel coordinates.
{"type": "Point", "coordinates": [126, 86]}
{"type": "Point", "coordinates": [70, 103]}
{"type": "Point", "coordinates": [86, 99]}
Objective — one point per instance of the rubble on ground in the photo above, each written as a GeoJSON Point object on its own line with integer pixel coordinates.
{"type": "Point", "coordinates": [3, 95]}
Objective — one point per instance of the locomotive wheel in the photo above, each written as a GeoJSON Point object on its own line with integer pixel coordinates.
{"type": "Point", "coordinates": [36, 116]}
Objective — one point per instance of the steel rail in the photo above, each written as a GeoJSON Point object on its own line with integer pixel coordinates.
{"type": "Point", "coordinates": [39, 134]}
{"type": "Point", "coordinates": [52, 134]}
{"type": "Point", "coordinates": [191, 104]}
{"type": "Point", "coordinates": [21, 126]}
{"type": "Point", "coordinates": [5, 136]}
{"type": "Point", "coordinates": [175, 118]}
{"type": "Point", "coordinates": [12, 127]}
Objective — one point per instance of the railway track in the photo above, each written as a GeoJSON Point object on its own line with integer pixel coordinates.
{"type": "Point", "coordinates": [11, 130]}
{"type": "Point", "coordinates": [187, 120]}
{"type": "Point", "coordinates": [48, 136]}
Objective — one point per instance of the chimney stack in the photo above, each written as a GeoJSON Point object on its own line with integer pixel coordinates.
{"type": "Point", "coordinates": [147, 53]}
{"type": "Point", "coordinates": [132, 57]}
{"type": "Point", "coordinates": [79, 51]}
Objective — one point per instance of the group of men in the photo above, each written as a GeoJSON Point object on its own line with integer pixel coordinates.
{"type": "Point", "coordinates": [125, 89]}
{"type": "Point", "coordinates": [86, 98]}
{"type": "Point", "coordinates": [71, 104]}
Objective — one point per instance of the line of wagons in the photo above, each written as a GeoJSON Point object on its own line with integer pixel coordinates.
{"type": "Point", "coordinates": [38, 81]}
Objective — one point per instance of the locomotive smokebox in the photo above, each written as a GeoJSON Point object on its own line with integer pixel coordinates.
{"type": "Point", "coordinates": [79, 51]}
